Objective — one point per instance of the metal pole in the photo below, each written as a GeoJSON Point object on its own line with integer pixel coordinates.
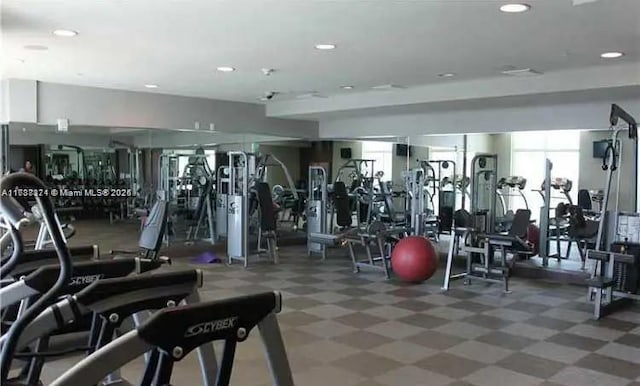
{"type": "Point", "coordinates": [464, 166]}
{"type": "Point", "coordinates": [544, 215]}
{"type": "Point", "coordinates": [4, 149]}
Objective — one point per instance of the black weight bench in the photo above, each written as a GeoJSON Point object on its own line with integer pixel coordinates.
{"type": "Point", "coordinates": [480, 249]}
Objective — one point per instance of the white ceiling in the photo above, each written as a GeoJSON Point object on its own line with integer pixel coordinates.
{"type": "Point", "coordinates": [178, 44]}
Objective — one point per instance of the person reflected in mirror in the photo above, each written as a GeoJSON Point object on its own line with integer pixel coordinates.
{"type": "Point", "coordinates": [28, 167]}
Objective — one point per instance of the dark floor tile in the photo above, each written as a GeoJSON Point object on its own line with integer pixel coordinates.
{"type": "Point", "coordinates": [355, 291]}
{"type": "Point", "coordinates": [354, 281]}
{"type": "Point", "coordinates": [435, 340]}
{"type": "Point", "coordinates": [487, 321]}
{"type": "Point", "coordinates": [306, 279]}
{"type": "Point", "coordinates": [613, 324]}
{"type": "Point", "coordinates": [472, 306]}
{"type": "Point", "coordinates": [362, 340]}
{"type": "Point", "coordinates": [450, 365]}
{"type": "Point", "coordinates": [302, 290]}
{"type": "Point", "coordinates": [531, 308]}
{"type": "Point", "coordinates": [367, 364]}
{"type": "Point", "coordinates": [579, 306]}
{"type": "Point", "coordinates": [550, 323]}
{"type": "Point", "coordinates": [357, 304]}
{"type": "Point", "coordinates": [297, 318]}
{"type": "Point", "coordinates": [564, 293]}
{"type": "Point", "coordinates": [408, 293]}
{"type": "Point", "coordinates": [632, 340]}
{"type": "Point", "coordinates": [531, 365]}
{"type": "Point", "coordinates": [300, 302]}
{"type": "Point", "coordinates": [413, 305]}
{"type": "Point", "coordinates": [461, 294]}
{"type": "Point", "coordinates": [609, 365]}
{"type": "Point", "coordinates": [424, 321]}
{"type": "Point", "coordinates": [359, 320]}
{"type": "Point", "coordinates": [252, 289]}
{"type": "Point", "coordinates": [576, 341]}
{"type": "Point", "coordinates": [502, 339]}
{"type": "Point", "coordinates": [254, 279]}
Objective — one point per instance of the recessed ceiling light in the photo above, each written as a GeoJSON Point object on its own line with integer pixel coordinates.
{"type": "Point", "coordinates": [151, 85]}
{"type": "Point", "coordinates": [225, 69]}
{"type": "Point", "coordinates": [346, 87]}
{"type": "Point", "coordinates": [65, 33]}
{"type": "Point", "coordinates": [612, 55]}
{"type": "Point", "coordinates": [447, 75]}
{"type": "Point", "coordinates": [515, 8]}
{"type": "Point", "coordinates": [325, 46]}
{"type": "Point", "coordinates": [36, 47]}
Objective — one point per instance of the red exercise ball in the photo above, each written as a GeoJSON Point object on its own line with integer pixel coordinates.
{"type": "Point", "coordinates": [414, 259]}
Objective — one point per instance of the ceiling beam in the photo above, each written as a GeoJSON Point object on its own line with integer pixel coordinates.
{"type": "Point", "coordinates": [576, 80]}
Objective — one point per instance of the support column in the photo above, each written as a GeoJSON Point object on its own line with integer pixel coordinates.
{"type": "Point", "coordinates": [4, 149]}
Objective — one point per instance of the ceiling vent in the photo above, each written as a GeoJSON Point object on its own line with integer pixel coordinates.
{"type": "Point", "coordinates": [388, 87]}
{"type": "Point", "coordinates": [310, 95]}
{"type": "Point", "coordinates": [521, 72]}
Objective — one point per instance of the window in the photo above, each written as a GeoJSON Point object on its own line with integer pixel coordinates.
{"type": "Point", "coordinates": [382, 154]}
{"type": "Point", "coordinates": [528, 153]}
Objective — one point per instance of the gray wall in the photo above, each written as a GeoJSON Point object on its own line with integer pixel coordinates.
{"type": "Point", "coordinates": [290, 156]}
{"type": "Point", "coordinates": [44, 103]}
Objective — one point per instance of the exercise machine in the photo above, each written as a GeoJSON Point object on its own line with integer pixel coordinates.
{"type": "Point", "coordinates": [169, 335]}
{"type": "Point", "coordinates": [614, 281]}
{"type": "Point", "coordinates": [484, 183]}
{"type": "Point", "coordinates": [248, 194]}
{"type": "Point", "coordinates": [190, 193]}
{"type": "Point", "coordinates": [474, 235]}
{"type": "Point", "coordinates": [222, 195]}
{"type": "Point", "coordinates": [317, 209]}
{"type": "Point", "coordinates": [422, 220]}
{"type": "Point", "coordinates": [556, 227]}
{"type": "Point", "coordinates": [238, 208]}
{"type": "Point", "coordinates": [509, 188]}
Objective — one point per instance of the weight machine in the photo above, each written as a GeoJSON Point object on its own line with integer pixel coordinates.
{"type": "Point", "coordinates": [614, 281]}
{"type": "Point", "coordinates": [474, 233]}
{"type": "Point", "coordinates": [360, 187]}
{"type": "Point", "coordinates": [317, 209]}
{"type": "Point", "coordinates": [190, 194]}
{"type": "Point", "coordinates": [556, 227]}
{"type": "Point", "coordinates": [508, 188]}
{"type": "Point", "coordinates": [421, 222]}
{"type": "Point", "coordinates": [442, 181]}
{"type": "Point", "coordinates": [484, 183]}
{"type": "Point", "coordinates": [288, 199]}
{"type": "Point", "coordinates": [240, 205]}
{"type": "Point", "coordinates": [222, 196]}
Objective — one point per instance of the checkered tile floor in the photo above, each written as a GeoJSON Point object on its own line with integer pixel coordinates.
{"type": "Point", "coordinates": [348, 329]}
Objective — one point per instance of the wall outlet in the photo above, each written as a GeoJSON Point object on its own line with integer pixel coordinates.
{"type": "Point", "coordinates": [63, 125]}
{"type": "Point", "coordinates": [196, 125]}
